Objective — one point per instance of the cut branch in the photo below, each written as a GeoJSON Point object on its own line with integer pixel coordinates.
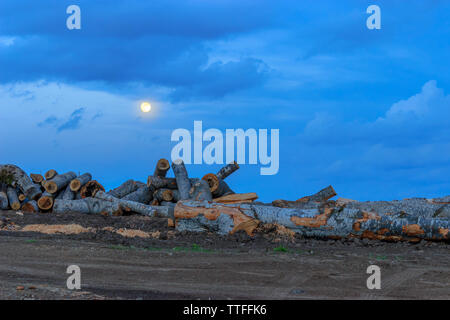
{"type": "Point", "coordinates": [183, 183]}
{"type": "Point", "coordinates": [125, 188]}
{"type": "Point", "coordinates": [141, 195]}
{"type": "Point", "coordinates": [238, 198]}
{"type": "Point", "coordinates": [217, 186]}
{"type": "Point", "coordinates": [59, 182]}
{"type": "Point", "coordinates": [227, 170]}
{"type": "Point", "coordinates": [161, 168]}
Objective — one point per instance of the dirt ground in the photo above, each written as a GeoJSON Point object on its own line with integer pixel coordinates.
{"type": "Point", "coordinates": [136, 257]}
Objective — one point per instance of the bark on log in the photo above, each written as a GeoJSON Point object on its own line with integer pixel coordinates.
{"type": "Point", "coordinates": [181, 175]}
{"type": "Point", "coordinates": [59, 182]}
{"type": "Point", "coordinates": [45, 203]}
{"type": "Point", "coordinates": [165, 183]}
{"type": "Point", "coordinates": [217, 186]}
{"type": "Point", "coordinates": [4, 203]}
{"type": "Point", "coordinates": [50, 174]}
{"type": "Point", "coordinates": [90, 189]}
{"type": "Point", "coordinates": [13, 175]}
{"type": "Point", "coordinates": [238, 198]}
{"type": "Point", "coordinates": [125, 188]}
{"type": "Point", "coordinates": [142, 195]}
{"type": "Point", "coordinates": [36, 178]}
{"type": "Point", "coordinates": [88, 206]}
{"type": "Point", "coordinates": [200, 191]}
{"type": "Point", "coordinates": [176, 195]}
{"type": "Point", "coordinates": [30, 207]}
{"type": "Point", "coordinates": [78, 182]}
{"type": "Point", "coordinates": [321, 196]}
{"type": "Point", "coordinates": [161, 168]}
{"type": "Point", "coordinates": [227, 170]}
{"type": "Point", "coordinates": [163, 195]}
{"type": "Point", "coordinates": [66, 194]}
{"type": "Point", "coordinates": [322, 222]}
{"type": "Point", "coordinates": [14, 202]}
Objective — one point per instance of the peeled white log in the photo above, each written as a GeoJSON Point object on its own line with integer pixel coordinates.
{"type": "Point", "coordinates": [14, 202]}
{"type": "Point", "coordinates": [13, 175]}
{"type": "Point", "coordinates": [78, 182]}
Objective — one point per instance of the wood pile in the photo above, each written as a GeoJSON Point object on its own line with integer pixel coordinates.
{"type": "Point", "coordinates": [210, 205]}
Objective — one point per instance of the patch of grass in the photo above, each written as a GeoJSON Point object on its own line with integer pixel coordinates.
{"type": "Point", "coordinates": [194, 248]}
{"type": "Point", "coordinates": [121, 247]}
{"type": "Point", "coordinates": [30, 241]}
{"type": "Point", "coordinates": [153, 249]}
{"type": "Point", "coordinates": [280, 249]}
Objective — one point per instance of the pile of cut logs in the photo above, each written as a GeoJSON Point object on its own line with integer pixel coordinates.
{"type": "Point", "coordinates": [209, 205]}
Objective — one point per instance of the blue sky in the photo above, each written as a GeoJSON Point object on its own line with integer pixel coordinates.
{"type": "Point", "coordinates": [367, 111]}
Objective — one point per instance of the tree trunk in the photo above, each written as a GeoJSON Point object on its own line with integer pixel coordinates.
{"type": "Point", "coordinates": [200, 191]}
{"type": "Point", "coordinates": [45, 203]}
{"type": "Point", "coordinates": [181, 175]}
{"type": "Point", "coordinates": [36, 178]}
{"type": "Point", "coordinates": [4, 203]}
{"type": "Point", "coordinates": [77, 183]}
{"type": "Point", "coordinates": [14, 202]}
{"type": "Point", "coordinates": [238, 198]}
{"type": "Point", "coordinates": [142, 195]}
{"type": "Point", "coordinates": [217, 186]}
{"type": "Point", "coordinates": [161, 168]}
{"type": "Point", "coordinates": [125, 188]}
{"type": "Point", "coordinates": [30, 207]}
{"type": "Point", "coordinates": [59, 182]}
{"type": "Point", "coordinates": [12, 174]}
{"type": "Point", "coordinates": [50, 174]}
{"type": "Point", "coordinates": [321, 222]}
{"type": "Point", "coordinates": [163, 195]}
{"type": "Point", "coordinates": [227, 170]}
{"type": "Point", "coordinates": [90, 189]}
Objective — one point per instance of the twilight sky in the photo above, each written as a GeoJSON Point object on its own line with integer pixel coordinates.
{"type": "Point", "coordinates": [367, 111]}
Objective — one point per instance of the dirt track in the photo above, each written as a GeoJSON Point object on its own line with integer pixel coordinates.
{"type": "Point", "coordinates": [159, 263]}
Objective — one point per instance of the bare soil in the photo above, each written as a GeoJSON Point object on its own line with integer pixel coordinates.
{"type": "Point", "coordinates": [136, 257]}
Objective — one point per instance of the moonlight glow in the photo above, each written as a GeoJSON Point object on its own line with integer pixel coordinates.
{"type": "Point", "coordinates": [146, 107]}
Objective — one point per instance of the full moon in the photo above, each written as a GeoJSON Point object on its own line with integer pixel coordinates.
{"type": "Point", "coordinates": [146, 107]}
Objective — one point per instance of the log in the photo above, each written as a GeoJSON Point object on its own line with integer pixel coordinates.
{"type": "Point", "coordinates": [14, 202]}
{"type": "Point", "coordinates": [66, 194]}
{"type": "Point", "coordinates": [163, 195]}
{"type": "Point", "coordinates": [142, 195]}
{"type": "Point", "coordinates": [181, 175]}
{"type": "Point", "coordinates": [87, 206]}
{"type": "Point", "coordinates": [165, 183]}
{"type": "Point", "coordinates": [4, 203]}
{"type": "Point", "coordinates": [217, 186]}
{"type": "Point", "coordinates": [78, 182]}
{"type": "Point", "coordinates": [176, 195]}
{"type": "Point", "coordinates": [45, 203]}
{"type": "Point", "coordinates": [321, 196]}
{"type": "Point", "coordinates": [227, 170]}
{"type": "Point", "coordinates": [12, 174]}
{"type": "Point", "coordinates": [161, 168]}
{"type": "Point", "coordinates": [50, 174]}
{"type": "Point", "coordinates": [238, 198]}
{"type": "Point", "coordinates": [200, 191]}
{"type": "Point", "coordinates": [30, 207]}
{"type": "Point", "coordinates": [22, 197]}
{"type": "Point", "coordinates": [36, 178]}
{"type": "Point", "coordinates": [136, 206]}
{"type": "Point", "coordinates": [90, 189]}
{"type": "Point", "coordinates": [322, 222]}
{"type": "Point", "coordinates": [125, 188]}
{"type": "Point", "coordinates": [59, 182]}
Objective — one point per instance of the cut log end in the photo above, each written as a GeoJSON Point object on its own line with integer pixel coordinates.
{"type": "Point", "coordinates": [22, 197]}
{"type": "Point", "coordinates": [51, 187]}
{"type": "Point", "coordinates": [37, 178]}
{"type": "Point", "coordinates": [75, 185]}
{"type": "Point", "coordinates": [90, 189]}
{"type": "Point", "coordinates": [45, 203]}
{"type": "Point", "coordinates": [162, 167]}
{"type": "Point", "coordinates": [212, 180]}
{"type": "Point", "coordinates": [50, 174]}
